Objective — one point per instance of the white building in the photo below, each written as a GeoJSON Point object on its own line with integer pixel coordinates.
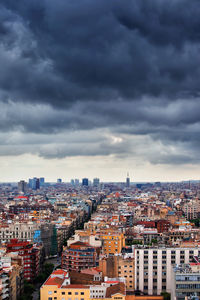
{"type": "Point", "coordinates": [153, 267]}
{"type": "Point", "coordinates": [186, 282]}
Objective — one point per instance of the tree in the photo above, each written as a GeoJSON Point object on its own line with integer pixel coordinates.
{"type": "Point", "coordinates": [28, 288]}
{"type": "Point", "coordinates": [166, 295]}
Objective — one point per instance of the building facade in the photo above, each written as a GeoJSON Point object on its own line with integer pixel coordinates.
{"type": "Point", "coordinates": [78, 256]}
{"type": "Point", "coordinates": [153, 267]}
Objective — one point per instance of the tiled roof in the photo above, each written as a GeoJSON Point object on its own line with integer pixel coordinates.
{"type": "Point", "coordinates": [115, 289]}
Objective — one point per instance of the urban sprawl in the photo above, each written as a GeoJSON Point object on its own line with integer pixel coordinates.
{"type": "Point", "coordinates": [91, 240]}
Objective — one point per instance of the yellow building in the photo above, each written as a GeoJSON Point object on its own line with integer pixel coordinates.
{"type": "Point", "coordinates": [119, 266]}
{"type": "Point", "coordinates": [59, 287]}
{"type": "Point", "coordinates": [113, 242]}
{"type": "Point", "coordinates": [126, 269]}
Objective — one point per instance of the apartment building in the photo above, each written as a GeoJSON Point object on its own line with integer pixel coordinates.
{"type": "Point", "coordinates": [86, 237]}
{"type": "Point", "coordinates": [186, 281]}
{"type": "Point", "coordinates": [58, 286]}
{"type": "Point", "coordinates": [19, 230]}
{"type": "Point", "coordinates": [113, 241]}
{"type": "Point", "coordinates": [153, 267]}
{"type": "Point", "coordinates": [192, 209]}
{"type": "Point", "coordinates": [11, 281]}
{"type": "Point", "coordinates": [126, 269]}
{"type": "Point", "coordinates": [120, 266]}
{"type": "Point", "coordinates": [30, 255]}
{"type": "Point", "coordinates": [78, 256]}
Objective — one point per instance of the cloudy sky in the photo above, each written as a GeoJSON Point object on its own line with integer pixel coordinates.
{"type": "Point", "coordinates": [99, 88]}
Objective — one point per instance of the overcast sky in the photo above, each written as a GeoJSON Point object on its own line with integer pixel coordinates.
{"type": "Point", "coordinates": [98, 88]}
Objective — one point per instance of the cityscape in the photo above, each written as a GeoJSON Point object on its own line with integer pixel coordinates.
{"type": "Point", "coordinates": [87, 239]}
{"type": "Point", "coordinates": [99, 150]}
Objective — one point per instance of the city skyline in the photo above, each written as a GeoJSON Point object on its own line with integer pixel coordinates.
{"type": "Point", "coordinates": [93, 88]}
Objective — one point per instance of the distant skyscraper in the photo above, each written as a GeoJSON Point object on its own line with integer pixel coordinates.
{"type": "Point", "coordinates": [72, 182]}
{"type": "Point", "coordinates": [22, 186]}
{"type": "Point", "coordinates": [96, 182]}
{"type": "Point", "coordinates": [37, 184]}
{"type": "Point", "coordinates": [30, 183]}
{"type": "Point", "coordinates": [34, 183]}
{"type": "Point", "coordinates": [42, 181]}
{"type": "Point", "coordinates": [59, 180]}
{"type": "Point", "coordinates": [85, 182]}
{"type": "Point", "coordinates": [127, 180]}
{"type": "Point", "coordinates": [76, 181]}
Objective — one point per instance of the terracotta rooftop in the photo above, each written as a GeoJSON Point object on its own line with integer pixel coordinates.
{"type": "Point", "coordinates": [54, 281]}
{"type": "Point", "coordinates": [115, 289]}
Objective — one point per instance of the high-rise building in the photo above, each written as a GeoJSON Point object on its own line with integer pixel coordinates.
{"type": "Point", "coordinates": [127, 180]}
{"type": "Point", "coordinates": [85, 182]}
{"type": "Point", "coordinates": [72, 182]}
{"type": "Point", "coordinates": [22, 186]}
{"type": "Point", "coordinates": [30, 183]}
{"type": "Point", "coordinates": [42, 181]}
{"type": "Point", "coordinates": [76, 181]}
{"type": "Point", "coordinates": [59, 180]}
{"type": "Point", "coordinates": [34, 183]}
{"type": "Point", "coordinates": [153, 267]}
{"type": "Point", "coordinates": [37, 184]}
{"type": "Point", "coordinates": [96, 182]}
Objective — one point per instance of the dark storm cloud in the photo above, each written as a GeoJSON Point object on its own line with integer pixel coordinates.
{"type": "Point", "coordinates": [131, 68]}
{"type": "Point", "coordinates": [94, 50]}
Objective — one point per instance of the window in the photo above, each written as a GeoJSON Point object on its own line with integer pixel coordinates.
{"type": "Point", "coordinates": [69, 293]}
{"type": "Point", "coordinates": [155, 262]}
{"type": "Point", "coordinates": [63, 293]}
{"type": "Point", "coordinates": [82, 293]}
{"type": "Point", "coordinates": [50, 293]}
{"type": "Point", "coordinates": [76, 293]}
{"type": "Point", "coordinates": [50, 298]}
{"type": "Point", "coordinates": [55, 291]}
